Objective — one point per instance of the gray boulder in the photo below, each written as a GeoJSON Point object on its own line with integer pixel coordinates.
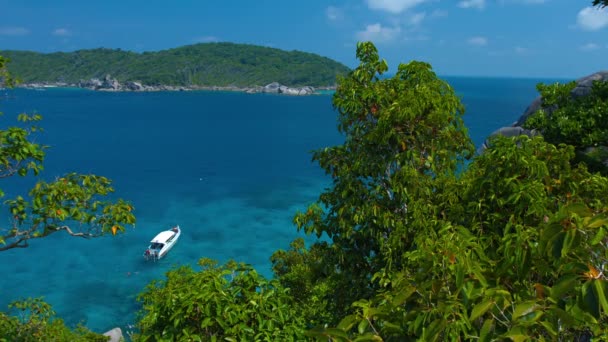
{"type": "Point", "coordinates": [306, 91]}
{"type": "Point", "coordinates": [509, 131]}
{"type": "Point", "coordinates": [93, 83]}
{"type": "Point", "coordinates": [273, 87]}
{"type": "Point", "coordinates": [276, 88]}
{"type": "Point", "coordinates": [110, 83]}
{"type": "Point", "coordinates": [115, 335]}
{"type": "Point", "coordinates": [134, 86]}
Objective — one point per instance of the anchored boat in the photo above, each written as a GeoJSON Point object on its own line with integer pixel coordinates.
{"type": "Point", "coordinates": [162, 243]}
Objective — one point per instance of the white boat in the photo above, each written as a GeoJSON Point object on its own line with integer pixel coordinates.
{"type": "Point", "coordinates": [162, 243]}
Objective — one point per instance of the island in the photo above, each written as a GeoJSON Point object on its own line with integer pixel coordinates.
{"type": "Point", "coordinates": [204, 66]}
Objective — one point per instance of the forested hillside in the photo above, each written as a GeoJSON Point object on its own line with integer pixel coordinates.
{"type": "Point", "coordinates": [209, 64]}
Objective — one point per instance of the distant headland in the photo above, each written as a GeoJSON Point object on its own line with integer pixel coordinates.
{"type": "Point", "coordinates": [205, 66]}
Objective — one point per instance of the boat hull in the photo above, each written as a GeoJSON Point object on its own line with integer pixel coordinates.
{"type": "Point", "coordinates": [162, 243]}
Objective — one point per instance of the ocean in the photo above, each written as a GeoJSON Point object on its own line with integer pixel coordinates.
{"type": "Point", "coordinates": [230, 168]}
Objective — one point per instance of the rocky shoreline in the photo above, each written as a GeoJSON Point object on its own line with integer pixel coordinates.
{"type": "Point", "coordinates": [113, 85]}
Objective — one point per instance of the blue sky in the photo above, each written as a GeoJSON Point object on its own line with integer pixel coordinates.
{"type": "Point", "coordinates": [518, 38]}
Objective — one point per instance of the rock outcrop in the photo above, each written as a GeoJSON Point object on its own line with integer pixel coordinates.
{"type": "Point", "coordinates": [111, 84]}
{"type": "Point", "coordinates": [277, 88]}
{"type": "Point", "coordinates": [583, 87]}
{"type": "Point", "coordinates": [115, 335]}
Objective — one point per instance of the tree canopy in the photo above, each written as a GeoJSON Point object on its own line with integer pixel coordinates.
{"type": "Point", "coordinates": [511, 247]}
{"type": "Point", "coordinates": [578, 121]}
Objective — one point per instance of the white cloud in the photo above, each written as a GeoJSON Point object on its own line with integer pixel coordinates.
{"type": "Point", "coordinates": [478, 41]}
{"type": "Point", "coordinates": [334, 13]}
{"type": "Point", "coordinates": [393, 6]}
{"type": "Point", "coordinates": [13, 31]}
{"type": "Point", "coordinates": [206, 39]}
{"type": "Point", "coordinates": [520, 50]}
{"type": "Point", "coordinates": [378, 34]}
{"type": "Point", "coordinates": [61, 32]}
{"type": "Point", "coordinates": [524, 2]}
{"type": "Point", "coordinates": [478, 4]}
{"type": "Point", "coordinates": [592, 18]}
{"type": "Point", "coordinates": [439, 13]}
{"type": "Point", "coordinates": [417, 18]}
{"type": "Point", "coordinates": [590, 47]}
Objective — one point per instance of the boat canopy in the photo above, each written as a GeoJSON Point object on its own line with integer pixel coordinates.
{"type": "Point", "coordinates": [163, 237]}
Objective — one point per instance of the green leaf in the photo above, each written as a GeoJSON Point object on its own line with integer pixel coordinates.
{"type": "Point", "coordinates": [564, 285]}
{"type": "Point", "coordinates": [524, 308]}
{"type": "Point", "coordinates": [599, 287]}
{"type": "Point", "coordinates": [368, 337]}
{"type": "Point", "coordinates": [403, 294]}
{"type": "Point", "coordinates": [599, 236]}
{"type": "Point", "coordinates": [552, 330]}
{"type": "Point", "coordinates": [564, 316]}
{"type": "Point", "coordinates": [362, 326]}
{"type": "Point", "coordinates": [598, 221]}
{"type": "Point", "coordinates": [571, 240]}
{"type": "Point", "coordinates": [347, 322]}
{"type": "Point", "coordinates": [433, 330]}
{"type": "Point", "coordinates": [590, 301]}
{"type": "Point", "coordinates": [479, 276]}
{"type": "Point", "coordinates": [480, 309]}
{"type": "Point", "coordinates": [555, 246]}
{"type": "Point", "coordinates": [550, 231]}
{"type": "Point", "coordinates": [516, 334]}
{"type": "Point", "coordinates": [335, 332]}
{"type": "Point", "coordinates": [485, 334]}
{"type": "Point", "coordinates": [579, 208]}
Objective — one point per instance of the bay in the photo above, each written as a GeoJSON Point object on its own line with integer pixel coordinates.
{"type": "Point", "coordinates": [231, 168]}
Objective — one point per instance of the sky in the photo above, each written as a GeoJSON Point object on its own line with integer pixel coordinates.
{"type": "Point", "coordinates": [488, 38]}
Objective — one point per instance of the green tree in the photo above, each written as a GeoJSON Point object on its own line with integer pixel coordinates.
{"type": "Point", "coordinates": [34, 320]}
{"type": "Point", "coordinates": [512, 247]}
{"type": "Point", "coordinates": [219, 303]}
{"type": "Point", "coordinates": [404, 136]}
{"type": "Point", "coordinates": [521, 256]}
{"type": "Point", "coordinates": [600, 3]}
{"type": "Point", "coordinates": [73, 200]}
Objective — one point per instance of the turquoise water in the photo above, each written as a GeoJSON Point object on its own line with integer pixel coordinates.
{"type": "Point", "coordinates": [230, 168]}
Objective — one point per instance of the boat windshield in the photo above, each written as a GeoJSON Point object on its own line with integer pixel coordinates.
{"type": "Point", "coordinates": [156, 245]}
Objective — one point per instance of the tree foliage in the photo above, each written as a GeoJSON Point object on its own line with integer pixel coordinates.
{"type": "Point", "coordinates": [219, 303]}
{"type": "Point", "coordinates": [404, 135]}
{"type": "Point", "coordinates": [33, 320]}
{"type": "Point", "coordinates": [5, 78]}
{"type": "Point", "coordinates": [575, 120]}
{"type": "Point", "coordinates": [209, 64]}
{"type": "Point", "coordinates": [511, 247]}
